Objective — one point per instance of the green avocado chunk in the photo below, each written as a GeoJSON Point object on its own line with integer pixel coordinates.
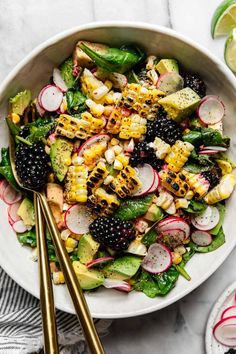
{"type": "Point", "coordinates": [87, 248]}
{"type": "Point", "coordinates": [88, 278]}
{"type": "Point", "coordinates": [26, 212]}
{"type": "Point", "coordinates": [20, 102]}
{"type": "Point", "coordinates": [180, 104]}
{"type": "Point", "coordinates": [125, 266]}
{"type": "Point", "coordinates": [167, 65]}
{"type": "Point", "coordinates": [60, 151]}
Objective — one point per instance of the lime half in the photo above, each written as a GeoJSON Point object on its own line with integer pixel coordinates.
{"type": "Point", "coordinates": [224, 18]}
{"type": "Point", "coordinates": [230, 51]}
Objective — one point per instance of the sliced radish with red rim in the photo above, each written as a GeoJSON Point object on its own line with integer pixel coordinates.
{"type": "Point", "coordinates": [225, 331]}
{"type": "Point", "coordinates": [19, 227]}
{"type": "Point", "coordinates": [158, 259]}
{"type": "Point", "coordinates": [214, 219]}
{"type": "Point", "coordinates": [40, 110]}
{"type": "Point", "coordinates": [98, 261]}
{"type": "Point", "coordinates": [12, 212]}
{"type": "Point", "coordinates": [201, 238]}
{"type": "Point", "coordinates": [11, 222]}
{"type": "Point", "coordinates": [147, 176]}
{"type": "Point", "coordinates": [117, 284]}
{"type": "Point", "coordinates": [78, 218]}
{"type": "Point", "coordinates": [58, 80]}
{"type": "Point", "coordinates": [3, 185]}
{"type": "Point", "coordinates": [170, 82]}
{"type": "Point", "coordinates": [229, 312]}
{"type": "Point", "coordinates": [204, 218]}
{"type": "Point", "coordinates": [156, 183]}
{"type": "Point", "coordinates": [216, 148]}
{"type": "Point", "coordinates": [211, 110]}
{"type": "Point", "coordinates": [177, 234]}
{"type": "Point", "coordinates": [94, 140]}
{"type": "Point", "coordinates": [50, 98]}
{"type": "Point", "coordinates": [172, 223]}
{"type": "Point", "coordinates": [208, 152]}
{"type": "Point", "coordinates": [10, 195]}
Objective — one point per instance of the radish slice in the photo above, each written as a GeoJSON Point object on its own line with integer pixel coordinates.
{"type": "Point", "coordinates": [10, 195]}
{"type": "Point", "coordinates": [172, 223]}
{"type": "Point", "coordinates": [216, 148]}
{"type": "Point", "coordinates": [95, 139]}
{"type": "Point", "coordinates": [158, 259]}
{"type": "Point", "coordinates": [12, 212]}
{"type": "Point", "coordinates": [78, 218]}
{"type": "Point", "coordinates": [147, 176]}
{"type": "Point", "coordinates": [214, 219]}
{"type": "Point", "coordinates": [58, 80]}
{"type": "Point", "coordinates": [3, 185]}
{"type": "Point", "coordinates": [117, 284]}
{"type": "Point", "coordinates": [19, 227]}
{"type": "Point", "coordinates": [156, 183]}
{"type": "Point", "coordinates": [204, 218]}
{"type": "Point", "coordinates": [225, 331]}
{"type": "Point", "coordinates": [40, 110]}
{"type": "Point", "coordinates": [177, 234]}
{"type": "Point", "coordinates": [208, 152]}
{"type": "Point", "coordinates": [211, 110]}
{"type": "Point", "coordinates": [99, 261]}
{"type": "Point", "coordinates": [170, 82]}
{"type": "Point", "coordinates": [11, 222]}
{"type": "Point", "coordinates": [51, 98]}
{"type": "Point", "coordinates": [229, 312]}
{"type": "Point", "coordinates": [201, 238]}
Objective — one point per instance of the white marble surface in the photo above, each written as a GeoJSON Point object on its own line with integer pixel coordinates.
{"type": "Point", "coordinates": [26, 23]}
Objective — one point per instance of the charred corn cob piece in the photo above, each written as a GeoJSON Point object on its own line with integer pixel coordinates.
{"type": "Point", "coordinates": [83, 128]}
{"type": "Point", "coordinates": [132, 127]}
{"type": "Point", "coordinates": [144, 101]}
{"type": "Point", "coordinates": [92, 154]}
{"type": "Point", "coordinates": [164, 199]}
{"type": "Point", "coordinates": [223, 190]}
{"type": "Point", "coordinates": [197, 183]}
{"type": "Point", "coordinates": [96, 109]}
{"type": "Point", "coordinates": [126, 183]}
{"type": "Point", "coordinates": [181, 203]}
{"type": "Point", "coordinates": [178, 155]}
{"type": "Point", "coordinates": [75, 186]}
{"type": "Point", "coordinates": [97, 176]}
{"type": "Point", "coordinates": [174, 182]}
{"type": "Point", "coordinates": [161, 148]}
{"type": "Point", "coordinates": [102, 202]}
{"type": "Point", "coordinates": [114, 121]}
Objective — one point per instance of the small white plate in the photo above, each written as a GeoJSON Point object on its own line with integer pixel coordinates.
{"type": "Point", "coordinates": [226, 299]}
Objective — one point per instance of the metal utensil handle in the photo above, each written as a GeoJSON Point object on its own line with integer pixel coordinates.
{"type": "Point", "coordinates": [73, 285]}
{"type": "Point", "coordinates": [46, 290]}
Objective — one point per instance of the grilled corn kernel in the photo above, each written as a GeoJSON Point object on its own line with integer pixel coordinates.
{"type": "Point", "coordinates": [161, 148]}
{"type": "Point", "coordinates": [75, 186]}
{"type": "Point", "coordinates": [225, 166]}
{"type": "Point", "coordinates": [151, 62]}
{"type": "Point", "coordinates": [114, 121]}
{"type": "Point", "coordinates": [102, 202]}
{"type": "Point", "coordinates": [76, 236]}
{"type": "Point", "coordinates": [96, 109]}
{"type": "Point", "coordinates": [97, 176]}
{"type": "Point", "coordinates": [164, 199]}
{"type": "Point", "coordinates": [110, 156]}
{"type": "Point", "coordinates": [71, 243]}
{"type": "Point", "coordinates": [118, 165]}
{"type": "Point", "coordinates": [132, 127]}
{"type": "Point", "coordinates": [15, 118]}
{"type": "Point", "coordinates": [198, 184]}
{"type": "Point", "coordinates": [181, 203]}
{"type": "Point", "coordinates": [114, 142]}
{"type": "Point", "coordinates": [172, 209]}
{"type": "Point", "coordinates": [58, 278]}
{"type": "Point", "coordinates": [176, 258]}
{"type": "Point", "coordinates": [180, 249]}
{"type": "Point", "coordinates": [65, 234]}
{"type": "Point", "coordinates": [174, 182]}
{"type": "Point", "coordinates": [178, 155]}
{"type": "Point", "coordinates": [222, 191]}
{"type": "Point", "coordinates": [126, 183]}
{"type": "Point", "coordinates": [94, 153]}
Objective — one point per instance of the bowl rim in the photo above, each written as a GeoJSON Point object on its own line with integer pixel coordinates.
{"type": "Point", "coordinates": [142, 26]}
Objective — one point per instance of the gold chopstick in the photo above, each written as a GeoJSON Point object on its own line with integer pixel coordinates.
{"type": "Point", "coordinates": [46, 290]}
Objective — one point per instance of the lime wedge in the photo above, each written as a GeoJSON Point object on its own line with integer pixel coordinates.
{"type": "Point", "coordinates": [224, 18]}
{"type": "Point", "coordinates": [230, 51]}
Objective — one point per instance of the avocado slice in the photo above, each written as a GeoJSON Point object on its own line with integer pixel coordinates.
{"type": "Point", "coordinates": [125, 266]}
{"type": "Point", "coordinates": [60, 151]}
{"type": "Point", "coordinates": [88, 278]}
{"type": "Point", "coordinates": [20, 102]}
{"type": "Point", "coordinates": [167, 65]}
{"type": "Point", "coordinates": [154, 213]}
{"type": "Point", "coordinates": [180, 104]}
{"type": "Point", "coordinates": [26, 212]}
{"type": "Point", "coordinates": [87, 248]}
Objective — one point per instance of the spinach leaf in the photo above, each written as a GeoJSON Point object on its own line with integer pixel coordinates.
{"type": "Point", "coordinates": [114, 59]}
{"type": "Point", "coordinates": [218, 241]}
{"type": "Point", "coordinates": [133, 208]}
{"type": "Point", "coordinates": [14, 128]}
{"type": "Point", "coordinates": [149, 238]}
{"type": "Point", "coordinates": [5, 157]}
{"type": "Point", "coordinates": [221, 209]}
{"type": "Point", "coordinates": [38, 133]}
{"type": "Point", "coordinates": [75, 101]}
{"type": "Point", "coordinates": [6, 170]}
{"type": "Point", "coordinates": [196, 206]}
{"type": "Point", "coordinates": [40, 122]}
{"type": "Point", "coordinates": [66, 69]}
{"type": "Point", "coordinates": [28, 238]}
{"type": "Point", "coordinates": [206, 136]}
{"type": "Point", "coordinates": [198, 163]}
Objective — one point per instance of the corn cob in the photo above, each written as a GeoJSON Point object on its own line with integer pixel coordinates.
{"type": "Point", "coordinates": [92, 154]}
{"type": "Point", "coordinates": [97, 177]}
{"type": "Point", "coordinates": [164, 199]}
{"type": "Point", "coordinates": [174, 182]}
{"type": "Point", "coordinates": [161, 148]}
{"type": "Point", "coordinates": [132, 127]}
{"type": "Point", "coordinates": [225, 166]}
{"type": "Point", "coordinates": [178, 155]}
{"type": "Point", "coordinates": [181, 203]}
{"type": "Point", "coordinates": [144, 101]}
{"type": "Point", "coordinates": [114, 121]}
{"type": "Point", "coordinates": [102, 202]}
{"type": "Point", "coordinates": [222, 191]}
{"type": "Point", "coordinates": [126, 183]}
{"type": "Point", "coordinates": [197, 183]}
{"type": "Point", "coordinates": [75, 186]}
{"type": "Point", "coordinates": [96, 109]}
{"type": "Point", "coordinates": [83, 128]}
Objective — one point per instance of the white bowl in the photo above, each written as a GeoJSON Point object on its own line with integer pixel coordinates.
{"type": "Point", "coordinates": [34, 71]}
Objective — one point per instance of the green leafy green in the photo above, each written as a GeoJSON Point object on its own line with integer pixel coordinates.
{"type": "Point", "coordinates": [221, 209]}
{"type": "Point", "coordinates": [207, 137]}
{"type": "Point", "coordinates": [196, 206]}
{"type": "Point", "coordinates": [28, 238]}
{"type": "Point", "coordinates": [6, 170]}
{"type": "Point", "coordinates": [5, 161]}
{"type": "Point", "coordinates": [154, 285]}
{"type": "Point", "coordinates": [132, 77]}
{"type": "Point", "coordinates": [114, 59]}
{"type": "Point", "coordinates": [217, 242]}
{"type": "Point", "coordinates": [198, 163]}
{"type": "Point", "coordinates": [38, 133]}
{"type": "Point", "coordinates": [181, 267]}
{"type": "Point", "coordinates": [14, 128]}
{"type": "Point", "coordinates": [67, 72]}
{"type": "Point", "coordinates": [40, 122]}
{"type": "Point", "coordinates": [149, 238]}
{"type": "Point", "coordinates": [75, 101]}
{"type": "Point", "coordinates": [133, 208]}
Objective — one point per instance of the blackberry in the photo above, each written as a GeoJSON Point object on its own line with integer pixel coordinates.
{"type": "Point", "coordinates": [195, 83]}
{"type": "Point", "coordinates": [213, 176]}
{"type": "Point", "coordinates": [165, 129]}
{"type": "Point", "coordinates": [143, 153]}
{"type": "Point", "coordinates": [112, 232]}
{"type": "Point", "coordinates": [32, 165]}
{"type": "Point", "coordinates": [24, 132]}
{"type": "Point", "coordinates": [231, 351]}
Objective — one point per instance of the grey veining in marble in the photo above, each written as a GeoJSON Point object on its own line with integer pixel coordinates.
{"type": "Point", "coordinates": [26, 23]}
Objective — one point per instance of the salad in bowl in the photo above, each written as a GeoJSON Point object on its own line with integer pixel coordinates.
{"type": "Point", "coordinates": [131, 152]}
